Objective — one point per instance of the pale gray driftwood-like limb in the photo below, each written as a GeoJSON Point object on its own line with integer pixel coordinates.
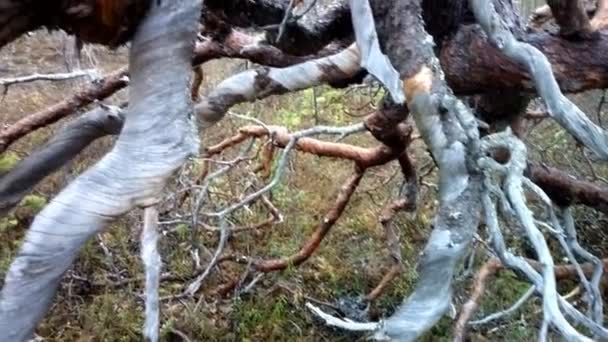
{"type": "Point", "coordinates": [372, 58]}
{"type": "Point", "coordinates": [67, 143]}
{"type": "Point", "coordinates": [513, 200]}
{"type": "Point", "coordinates": [91, 73]}
{"type": "Point", "coordinates": [559, 107]}
{"type": "Point", "coordinates": [152, 265]}
{"type": "Point", "coordinates": [256, 84]}
{"type": "Point", "coordinates": [507, 312]}
{"type": "Point", "coordinates": [159, 135]}
{"type": "Point", "coordinates": [449, 129]}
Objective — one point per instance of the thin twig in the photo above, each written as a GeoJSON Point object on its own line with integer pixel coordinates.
{"type": "Point", "coordinates": [152, 263]}
{"type": "Point", "coordinates": [93, 74]}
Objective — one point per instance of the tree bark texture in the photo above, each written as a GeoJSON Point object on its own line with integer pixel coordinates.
{"type": "Point", "coordinates": [401, 32]}
{"type": "Point", "coordinates": [157, 138]}
{"type": "Point", "coordinates": [109, 22]}
{"type": "Point", "coordinates": [571, 17]}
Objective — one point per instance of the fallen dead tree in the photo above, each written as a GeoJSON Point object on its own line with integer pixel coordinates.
{"type": "Point", "coordinates": [425, 63]}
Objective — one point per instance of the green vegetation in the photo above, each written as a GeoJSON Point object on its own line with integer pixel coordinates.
{"type": "Point", "coordinates": [7, 161]}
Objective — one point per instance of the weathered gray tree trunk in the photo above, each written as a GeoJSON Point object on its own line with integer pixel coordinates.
{"type": "Point", "coordinates": [448, 128]}
{"type": "Point", "coordinates": [158, 136]}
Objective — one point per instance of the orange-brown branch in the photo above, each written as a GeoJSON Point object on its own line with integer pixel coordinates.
{"type": "Point", "coordinates": [485, 274]}
{"type": "Point", "coordinates": [333, 214]}
{"type": "Point", "coordinates": [362, 156]}
{"type": "Point", "coordinates": [97, 91]}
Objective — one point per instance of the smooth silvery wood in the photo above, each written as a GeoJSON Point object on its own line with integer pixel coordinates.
{"type": "Point", "coordinates": [157, 138]}
{"type": "Point", "coordinates": [259, 83]}
{"type": "Point", "coordinates": [152, 263]}
{"type": "Point", "coordinates": [454, 225]}
{"type": "Point", "coordinates": [372, 58]}
{"type": "Point", "coordinates": [70, 140]}
{"type": "Point", "coordinates": [450, 130]}
{"type": "Point", "coordinates": [560, 108]}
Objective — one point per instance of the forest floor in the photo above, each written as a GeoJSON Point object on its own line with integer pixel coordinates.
{"type": "Point", "coordinates": [100, 296]}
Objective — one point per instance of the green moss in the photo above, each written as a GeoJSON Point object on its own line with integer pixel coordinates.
{"type": "Point", "coordinates": [34, 203]}
{"type": "Point", "coordinates": [7, 161]}
{"type": "Point", "coordinates": [7, 223]}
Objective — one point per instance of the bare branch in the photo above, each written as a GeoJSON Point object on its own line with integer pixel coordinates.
{"type": "Point", "coordinates": [347, 130]}
{"type": "Point", "coordinates": [363, 157]}
{"type": "Point", "coordinates": [372, 59]}
{"type": "Point", "coordinates": [93, 74]}
{"type": "Point", "coordinates": [565, 190]}
{"type": "Point", "coordinates": [513, 172]}
{"type": "Point", "coordinates": [331, 24]}
{"type": "Point", "coordinates": [256, 84]}
{"type": "Point", "coordinates": [406, 201]}
{"type": "Point", "coordinates": [70, 140]}
{"type": "Point", "coordinates": [509, 311]}
{"type": "Point", "coordinates": [196, 284]}
{"type": "Point", "coordinates": [413, 55]}
{"type": "Point", "coordinates": [566, 113]}
{"type": "Point", "coordinates": [74, 137]}
{"type": "Point", "coordinates": [331, 217]}
{"type": "Point", "coordinates": [485, 274]}
{"type": "Point", "coordinates": [98, 90]}
{"type": "Point", "coordinates": [343, 323]}
{"type": "Point", "coordinates": [152, 263]}
{"type": "Point", "coordinates": [235, 45]}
